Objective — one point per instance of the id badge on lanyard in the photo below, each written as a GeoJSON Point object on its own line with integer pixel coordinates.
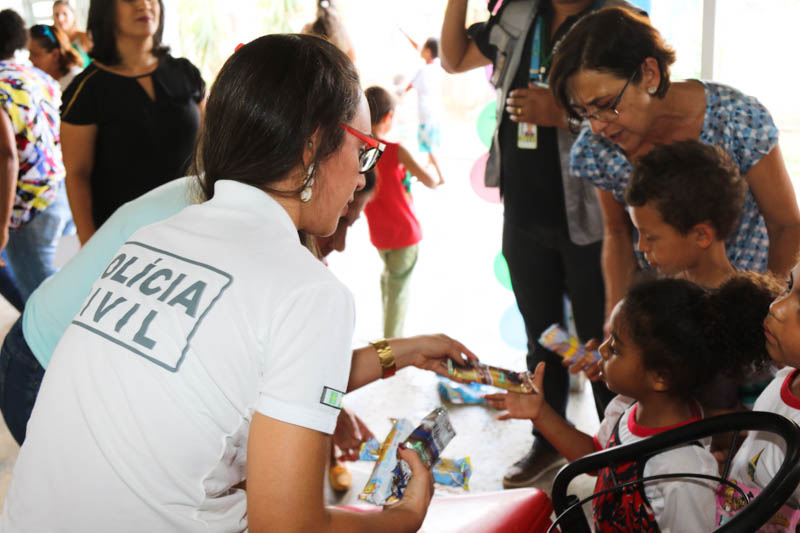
{"type": "Point", "coordinates": [527, 133]}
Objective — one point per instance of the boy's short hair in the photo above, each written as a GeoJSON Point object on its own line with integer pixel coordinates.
{"type": "Point", "coordinates": [432, 44]}
{"type": "Point", "coordinates": [689, 182]}
{"type": "Point", "coordinates": [380, 102]}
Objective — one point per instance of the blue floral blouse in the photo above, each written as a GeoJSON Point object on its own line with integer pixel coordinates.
{"type": "Point", "coordinates": [738, 123]}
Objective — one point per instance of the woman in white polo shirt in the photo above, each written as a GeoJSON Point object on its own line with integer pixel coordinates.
{"type": "Point", "coordinates": [214, 348]}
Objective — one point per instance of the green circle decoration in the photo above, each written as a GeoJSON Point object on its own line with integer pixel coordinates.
{"type": "Point", "coordinates": [486, 124]}
{"type": "Point", "coordinates": [501, 271]}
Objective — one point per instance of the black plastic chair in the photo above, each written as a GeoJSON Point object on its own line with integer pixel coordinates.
{"type": "Point", "coordinates": [568, 508]}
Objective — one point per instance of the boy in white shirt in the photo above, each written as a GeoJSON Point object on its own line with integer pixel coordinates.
{"type": "Point", "coordinates": [428, 83]}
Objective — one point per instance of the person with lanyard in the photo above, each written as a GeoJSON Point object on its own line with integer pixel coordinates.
{"type": "Point", "coordinates": [552, 231]}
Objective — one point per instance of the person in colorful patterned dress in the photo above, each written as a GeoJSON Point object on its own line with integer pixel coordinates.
{"type": "Point", "coordinates": [33, 203]}
{"type": "Point", "coordinates": [612, 70]}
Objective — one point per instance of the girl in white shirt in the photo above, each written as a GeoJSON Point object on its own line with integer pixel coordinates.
{"type": "Point", "coordinates": [761, 453]}
{"type": "Point", "coordinates": [668, 338]}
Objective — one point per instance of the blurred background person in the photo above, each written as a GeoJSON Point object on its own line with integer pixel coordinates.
{"type": "Point", "coordinates": [428, 83]}
{"type": "Point", "coordinates": [51, 51]}
{"type": "Point", "coordinates": [131, 118]}
{"type": "Point", "coordinates": [64, 19]}
{"type": "Point", "coordinates": [329, 25]}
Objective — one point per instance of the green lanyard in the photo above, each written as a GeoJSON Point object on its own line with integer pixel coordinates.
{"type": "Point", "coordinates": [541, 37]}
{"type": "Point", "coordinates": [539, 43]}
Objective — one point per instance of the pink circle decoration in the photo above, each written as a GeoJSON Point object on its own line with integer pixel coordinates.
{"type": "Point", "coordinates": [488, 70]}
{"type": "Point", "coordinates": [490, 194]}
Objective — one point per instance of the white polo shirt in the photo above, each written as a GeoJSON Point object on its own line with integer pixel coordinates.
{"type": "Point", "coordinates": [142, 419]}
{"type": "Point", "coordinates": [762, 452]}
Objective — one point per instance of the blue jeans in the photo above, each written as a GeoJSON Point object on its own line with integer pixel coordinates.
{"type": "Point", "coordinates": [20, 379]}
{"type": "Point", "coordinates": [8, 285]}
{"type": "Point", "coordinates": [32, 248]}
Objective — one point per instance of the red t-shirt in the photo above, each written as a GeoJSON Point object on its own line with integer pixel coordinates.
{"type": "Point", "coordinates": [390, 214]}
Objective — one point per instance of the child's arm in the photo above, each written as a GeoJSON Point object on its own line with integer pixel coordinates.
{"type": "Point", "coordinates": [572, 443]}
{"type": "Point", "coordinates": [407, 36]}
{"type": "Point", "coordinates": [405, 159]}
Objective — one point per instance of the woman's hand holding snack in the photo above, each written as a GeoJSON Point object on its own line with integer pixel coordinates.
{"type": "Point", "coordinates": [431, 352]}
{"type": "Point", "coordinates": [419, 491]}
{"type": "Point", "coordinates": [519, 405]}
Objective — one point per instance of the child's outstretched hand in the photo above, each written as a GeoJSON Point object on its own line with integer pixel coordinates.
{"type": "Point", "coordinates": [517, 404]}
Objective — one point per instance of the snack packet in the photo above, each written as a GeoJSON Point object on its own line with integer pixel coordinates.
{"type": "Point", "coordinates": [463, 393]}
{"type": "Point", "coordinates": [370, 450]}
{"type": "Point", "coordinates": [390, 476]}
{"type": "Point", "coordinates": [430, 437]}
{"type": "Point", "coordinates": [568, 347]}
{"type": "Point", "coordinates": [379, 487]}
{"type": "Point", "coordinates": [496, 377]}
{"type": "Point", "coordinates": [451, 472]}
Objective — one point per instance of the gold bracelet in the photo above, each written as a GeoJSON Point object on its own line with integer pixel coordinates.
{"type": "Point", "coordinates": [386, 357]}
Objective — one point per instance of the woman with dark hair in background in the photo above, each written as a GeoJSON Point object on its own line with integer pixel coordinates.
{"type": "Point", "coordinates": [130, 120]}
{"type": "Point", "coordinates": [64, 19]}
{"type": "Point", "coordinates": [33, 204]}
{"type": "Point", "coordinates": [329, 25]}
{"type": "Point", "coordinates": [197, 387]}
{"type": "Point", "coordinates": [612, 70]}
{"type": "Point", "coordinates": [51, 52]}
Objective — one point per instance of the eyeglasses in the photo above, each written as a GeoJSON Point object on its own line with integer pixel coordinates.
{"type": "Point", "coordinates": [367, 157]}
{"type": "Point", "coordinates": [608, 113]}
{"type": "Point", "coordinates": [42, 30]}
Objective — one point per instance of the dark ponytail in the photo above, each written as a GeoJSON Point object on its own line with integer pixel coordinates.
{"type": "Point", "coordinates": [269, 98]}
{"type": "Point", "coordinates": [736, 335]}
{"type": "Point", "coordinates": [691, 334]}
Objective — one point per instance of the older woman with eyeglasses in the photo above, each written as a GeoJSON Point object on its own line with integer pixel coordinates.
{"type": "Point", "coordinates": [197, 386]}
{"type": "Point", "coordinates": [612, 70]}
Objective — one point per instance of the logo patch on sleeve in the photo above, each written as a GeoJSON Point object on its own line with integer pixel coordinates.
{"type": "Point", "coordinates": [331, 397]}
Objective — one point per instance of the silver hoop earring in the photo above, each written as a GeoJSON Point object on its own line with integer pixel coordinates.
{"type": "Point", "coordinates": [652, 90]}
{"type": "Point", "coordinates": [305, 194]}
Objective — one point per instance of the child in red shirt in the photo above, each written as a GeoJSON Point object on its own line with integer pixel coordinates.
{"type": "Point", "coordinates": [393, 226]}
